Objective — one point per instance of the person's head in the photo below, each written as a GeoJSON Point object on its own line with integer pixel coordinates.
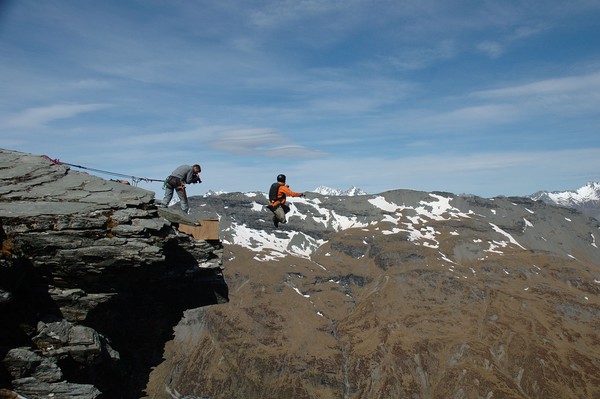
{"type": "Point", "coordinates": [197, 169]}
{"type": "Point", "coordinates": [281, 178]}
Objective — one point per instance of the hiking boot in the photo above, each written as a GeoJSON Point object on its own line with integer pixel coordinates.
{"type": "Point", "coordinates": [275, 221]}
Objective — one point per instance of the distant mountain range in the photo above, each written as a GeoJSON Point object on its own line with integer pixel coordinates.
{"type": "Point", "coordinates": [585, 199]}
{"type": "Point", "coordinates": [323, 190]}
{"type": "Point", "coordinates": [352, 191]}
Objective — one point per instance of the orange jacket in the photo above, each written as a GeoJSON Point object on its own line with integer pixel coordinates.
{"type": "Point", "coordinates": [282, 192]}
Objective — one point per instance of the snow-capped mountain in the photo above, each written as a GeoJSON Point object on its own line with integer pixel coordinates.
{"type": "Point", "coordinates": [352, 191]}
{"type": "Point", "coordinates": [585, 199]}
{"type": "Point", "coordinates": [212, 192]}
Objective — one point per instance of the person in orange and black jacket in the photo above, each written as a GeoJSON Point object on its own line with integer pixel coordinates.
{"type": "Point", "coordinates": [277, 197]}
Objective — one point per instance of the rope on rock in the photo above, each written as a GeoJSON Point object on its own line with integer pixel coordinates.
{"type": "Point", "coordinates": [134, 179]}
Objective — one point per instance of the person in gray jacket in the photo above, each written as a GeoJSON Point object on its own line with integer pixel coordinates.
{"type": "Point", "coordinates": [176, 182]}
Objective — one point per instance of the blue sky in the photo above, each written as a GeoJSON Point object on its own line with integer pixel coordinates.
{"type": "Point", "coordinates": [481, 97]}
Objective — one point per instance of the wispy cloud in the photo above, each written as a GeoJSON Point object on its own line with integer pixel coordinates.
{"type": "Point", "coordinates": [422, 57]}
{"type": "Point", "coordinates": [482, 111]}
{"type": "Point", "coordinates": [92, 84]}
{"type": "Point", "coordinates": [260, 142]}
{"type": "Point", "coordinates": [498, 47]}
{"type": "Point", "coordinates": [474, 116]}
{"type": "Point", "coordinates": [561, 85]}
{"type": "Point", "coordinates": [493, 49]}
{"type": "Point", "coordinates": [41, 116]}
{"type": "Point", "coordinates": [184, 138]}
{"type": "Point", "coordinates": [283, 12]}
{"type": "Point", "coordinates": [570, 95]}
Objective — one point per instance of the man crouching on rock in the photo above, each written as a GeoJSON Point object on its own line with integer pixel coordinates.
{"type": "Point", "coordinates": [277, 196]}
{"type": "Point", "coordinates": [176, 182]}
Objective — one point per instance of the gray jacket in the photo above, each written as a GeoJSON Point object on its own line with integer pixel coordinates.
{"type": "Point", "coordinates": [186, 174]}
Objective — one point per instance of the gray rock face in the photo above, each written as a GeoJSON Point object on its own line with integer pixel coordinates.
{"type": "Point", "coordinates": [92, 281]}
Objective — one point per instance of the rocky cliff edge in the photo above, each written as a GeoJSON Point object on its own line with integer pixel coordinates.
{"type": "Point", "coordinates": [92, 281]}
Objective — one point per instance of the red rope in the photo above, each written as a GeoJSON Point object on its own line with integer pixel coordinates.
{"type": "Point", "coordinates": [55, 161]}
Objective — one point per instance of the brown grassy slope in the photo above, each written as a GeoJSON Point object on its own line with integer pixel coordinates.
{"type": "Point", "coordinates": [378, 316]}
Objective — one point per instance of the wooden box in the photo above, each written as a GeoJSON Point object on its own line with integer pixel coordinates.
{"type": "Point", "coordinates": [207, 230]}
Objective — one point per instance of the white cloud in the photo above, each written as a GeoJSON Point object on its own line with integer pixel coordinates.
{"type": "Point", "coordinates": [280, 13]}
{"type": "Point", "coordinates": [483, 111]}
{"type": "Point", "coordinates": [567, 96]}
{"type": "Point", "coordinates": [502, 43]}
{"type": "Point", "coordinates": [474, 116]}
{"type": "Point", "coordinates": [40, 116]}
{"type": "Point", "coordinates": [183, 138]}
{"type": "Point", "coordinates": [92, 84]}
{"type": "Point", "coordinates": [423, 57]}
{"type": "Point", "coordinates": [562, 85]}
{"type": "Point", "coordinates": [260, 142]}
{"type": "Point", "coordinates": [493, 49]}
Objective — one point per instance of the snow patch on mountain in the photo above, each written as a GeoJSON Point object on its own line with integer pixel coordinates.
{"type": "Point", "coordinates": [440, 207]}
{"type": "Point", "coordinates": [328, 217]}
{"type": "Point", "coordinates": [434, 210]}
{"type": "Point", "coordinates": [381, 203]}
{"type": "Point", "coordinates": [507, 235]}
{"type": "Point", "coordinates": [270, 247]}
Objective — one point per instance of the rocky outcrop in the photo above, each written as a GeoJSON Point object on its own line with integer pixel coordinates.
{"type": "Point", "coordinates": [92, 281]}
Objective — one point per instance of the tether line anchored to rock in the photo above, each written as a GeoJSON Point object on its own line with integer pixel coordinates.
{"type": "Point", "coordinates": [134, 179]}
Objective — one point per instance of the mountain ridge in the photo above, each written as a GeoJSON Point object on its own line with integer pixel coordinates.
{"type": "Point", "coordinates": [245, 220]}
{"type": "Point", "coordinates": [399, 294]}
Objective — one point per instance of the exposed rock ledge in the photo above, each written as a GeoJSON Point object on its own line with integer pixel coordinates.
{"type": "Point", "coordinates": [92, 281]}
